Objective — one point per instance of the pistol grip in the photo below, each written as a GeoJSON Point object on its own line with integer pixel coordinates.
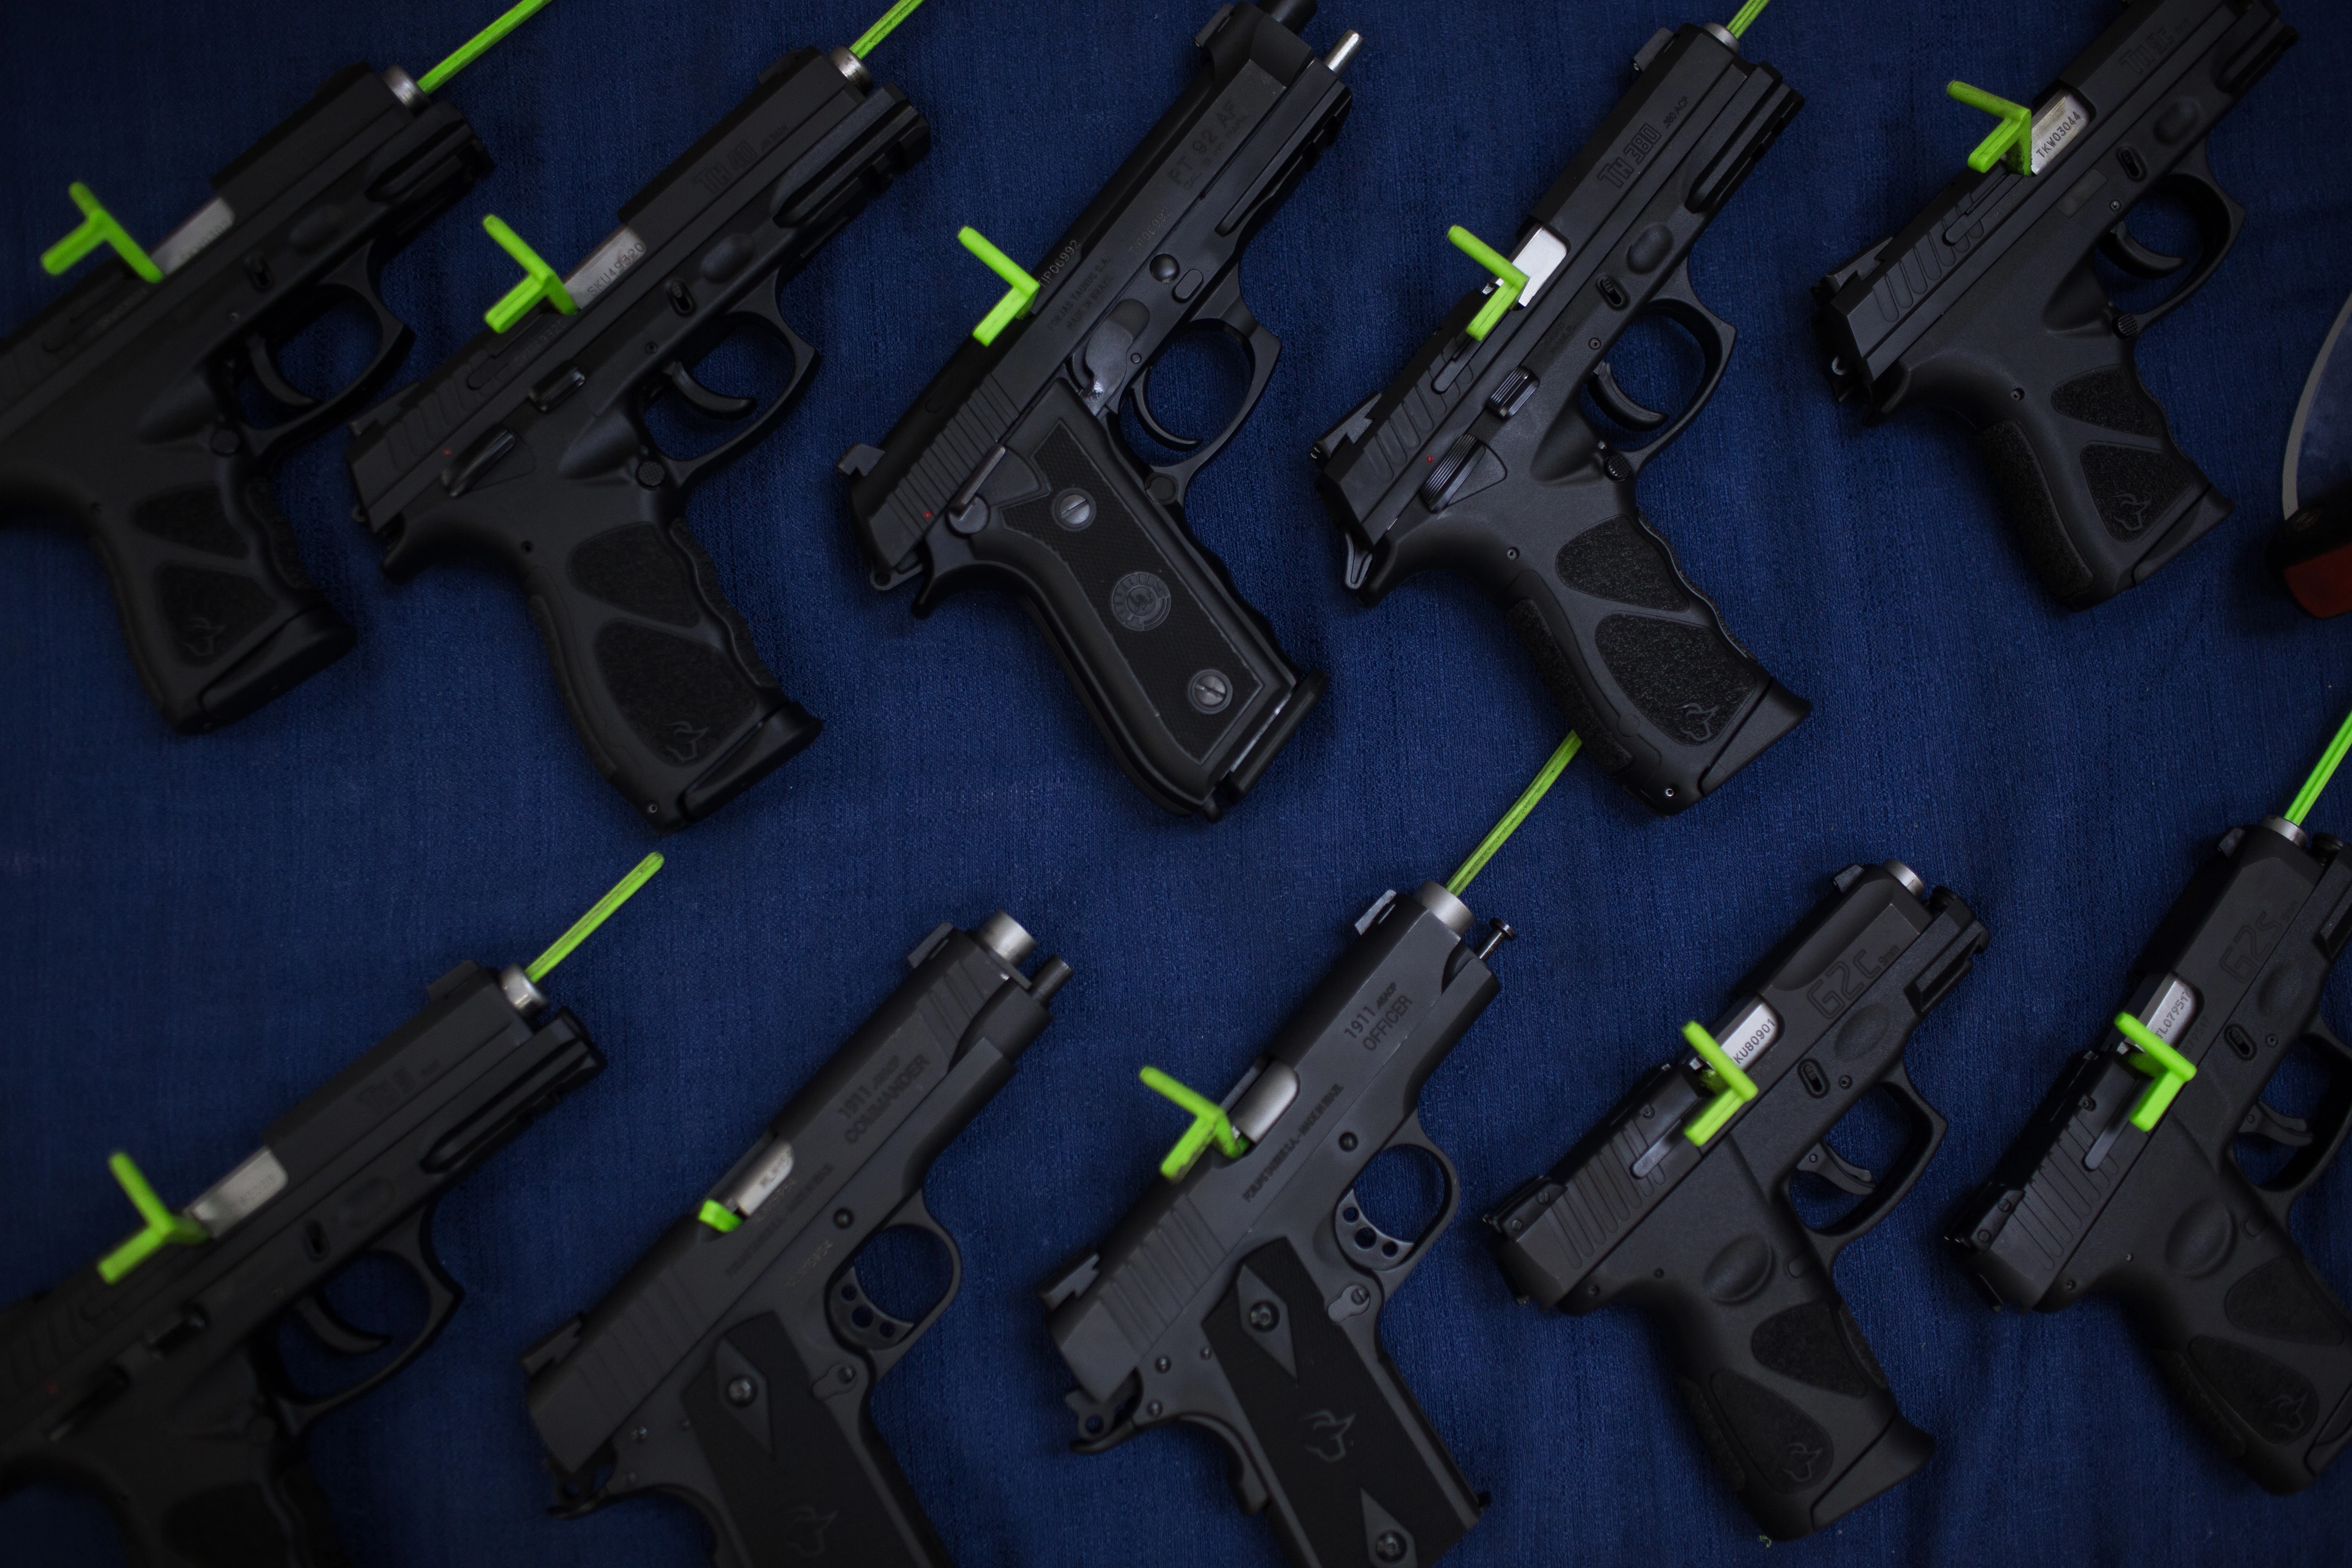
{"type": "Point", "coordinates": [1354, 1471]}
{"type": "Point", "coordinates": [656, 668]}
{"type": "Point", "coordinates": [1634, 654]}
{"type": "Point", "coordinates": [2257, 1344]}
{"type": "Point", "coordinates": [196, 1501]}
{"type": "Point", "coordinates": [2093, 485]}
{"type": "Point", "coordinates": [1789, 1401]}
{"type": "Point", "coordinates": [659, 671]}
{"type": "Point", "coordinates": [218, 613]}
{"type": "Point", "coordinates": [1184, 679]}
{"type": "Point", "coordinates": [801, 1471]}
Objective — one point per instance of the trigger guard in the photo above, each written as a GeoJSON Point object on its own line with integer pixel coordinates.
{"type": "Point", "coordinates": [1677, 300]}
{"type": "Point", "coordinates": [1895, 1183]}
{"type": "Point", "coordinates": [1141, 391]}
{"type": "Point", "coordinates": [404, 1245]}
{"type": "Point", "coordinates": [2330, 1124]}
{"type": "Point", "coordinates": [2218, 219]}
{"type": "Point", "coordinates": [883, 1347]}
{"type": "Point", "coordinates": [1225, 308]}
{"type": "Point", "coordinates": [2125, 249]}
{"type": "Point", "coordinates": [759, 307]}
{"type": "Point", "coordinates": [1372, 1256]}
{"type": "Point", "coordinates": [355, 278]}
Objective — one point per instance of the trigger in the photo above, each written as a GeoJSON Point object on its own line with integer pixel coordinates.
{"type": "Point", "coordinates": [265, 370]}
{"type": "Point", "coordinates": [2123, 247]}
{"type": "Point", "coordinates": [332, 1331]}
{"type": "Point", "coordinates": [1838, 1172]}
{"type": "Point", "coordinates": [1617, 405]}
{"type": "Point", "coordinates": [718, 404]}
{"type": "Point", "coordinates": [2275, 1127]}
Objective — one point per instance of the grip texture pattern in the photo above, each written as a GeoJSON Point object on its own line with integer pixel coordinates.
{"type": "Point", "coordinates": [1682, 678]}
{"type": "Point", "coordinates": [793, 1486]}
{"type": "Point", "coordinates": [1360, 1489]}
{"type": "Point", "coordinates": [1180, 658]}
{"type": "Point", "coordinates": [2031, 510]}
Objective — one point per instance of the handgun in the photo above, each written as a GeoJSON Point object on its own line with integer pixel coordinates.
{"type": "Point", "coordinates": [1992, 306]}
{"type": "Point", "coordinates": [2128, 1180]}
{"type": "Point", "coordinates": [531, 446]}
{"type": "Point", "coordinates": [154, 1378]}
{"type": "Point", "coordinates": [1012, 466]}
{"type": "Point", "coordinates": [1243, 1294]}
{"type": "Point", "coordinates": [1679, 1202]}
{"type": "Point", "coordinates": [146, 406]}
{"type": "Point", "coordinates": [734, 1365]}
{"type": "Point", "coordinates": [1506, 450]}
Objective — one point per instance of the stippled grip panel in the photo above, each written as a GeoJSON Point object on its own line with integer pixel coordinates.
{"type": "Point", "coordinates": [187, 1497]}
{"type": "Point", "coordinates": [659, 671]}
{"type": "Point", "coordinates": [801, 1473]}
{"type": "Point", "coordinates": [219, 614]}
{"type": "Point", "coordinates": [2254, 1341]}
{"type": "Point", "coordinates": [1641, 666]}
{"type": "Point", "coordinates": [1789, 1399]}
{"type": "Point", "coordinates": [1357, 1474]}
{"type": "Point", "coordinates": [1184, 679]}
{"type": "Point", "coordinates": [2092, 484]}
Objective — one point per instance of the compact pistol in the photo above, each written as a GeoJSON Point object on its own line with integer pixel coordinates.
{"type": "Point", "coordinates": [147, 406]}
{"type": "Point", "coordinates": [1678, 1201]}
{"type": "Point", "coordinates": [1483, 457]}
{"type": "Point", "coordinates": [1990, 304]}
{"type": "Point", "coordinates": [734, 1365]}
{"type": "Point", "coordinates": [1243, 1294]}
{"type": "Point", "coordinates": [531, 445]}
{"type": "Point", "coordinates": [2128, 1181]}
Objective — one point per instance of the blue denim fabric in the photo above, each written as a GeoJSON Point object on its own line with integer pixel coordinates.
{"type": "Point", "coordinates": [194, 933]}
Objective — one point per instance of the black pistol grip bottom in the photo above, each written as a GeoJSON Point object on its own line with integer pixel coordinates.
{"type": "Point", "coordinates": [802, 1472]}
{"type": "Point", "coordinates": [659, 673]}
{"type": "Point", "coordinates": [253, 1524]}
{"type": "Point", "coordinates": [1642, 668]}
{"type": "Point", "coordinates": [1789, 1401]}
{"type": "Point", "coordinates": [217, 610]}
{"type": "Point", "coordinates": [1184, 679]}
{"type": "Point", "coordinates": [1357, 1475]}
{"type": "Point", "coordinates": [2090, 479]}
{"type": "Point", "coordinates": [237, 1496]}
{"type": "Point", "coordinates": [2257, 1346]}
{"type": "Point", "coordinates": [1792, 1406]}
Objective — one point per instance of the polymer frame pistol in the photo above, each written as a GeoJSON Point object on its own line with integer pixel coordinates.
{"type": "Point", "coordinates": [2128, 1182]}
{"type": "Point", "coordinates": [1990, 304]}
{"type": "Point", "coordinates": [531, 445]}
{"type": "Point", "coordinates": [1481, 457]}
{"type": "Point", "coordinates": [1010, 467]}
{"type": "Point", "coordinates": [1678, 1201]}
{"type": "Point", "coordinates": [147, 406]}
{"type": "Point", "coordinates": [153, 1379]}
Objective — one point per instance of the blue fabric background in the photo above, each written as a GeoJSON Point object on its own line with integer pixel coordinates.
{"type": "Point", "coordinates": [193, 933]}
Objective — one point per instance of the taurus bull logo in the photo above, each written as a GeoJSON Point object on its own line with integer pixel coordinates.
{"type": "Point", "coordinates": [805, 1530]}
{"type": "Point", "coordinates": [1327, 1436]}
